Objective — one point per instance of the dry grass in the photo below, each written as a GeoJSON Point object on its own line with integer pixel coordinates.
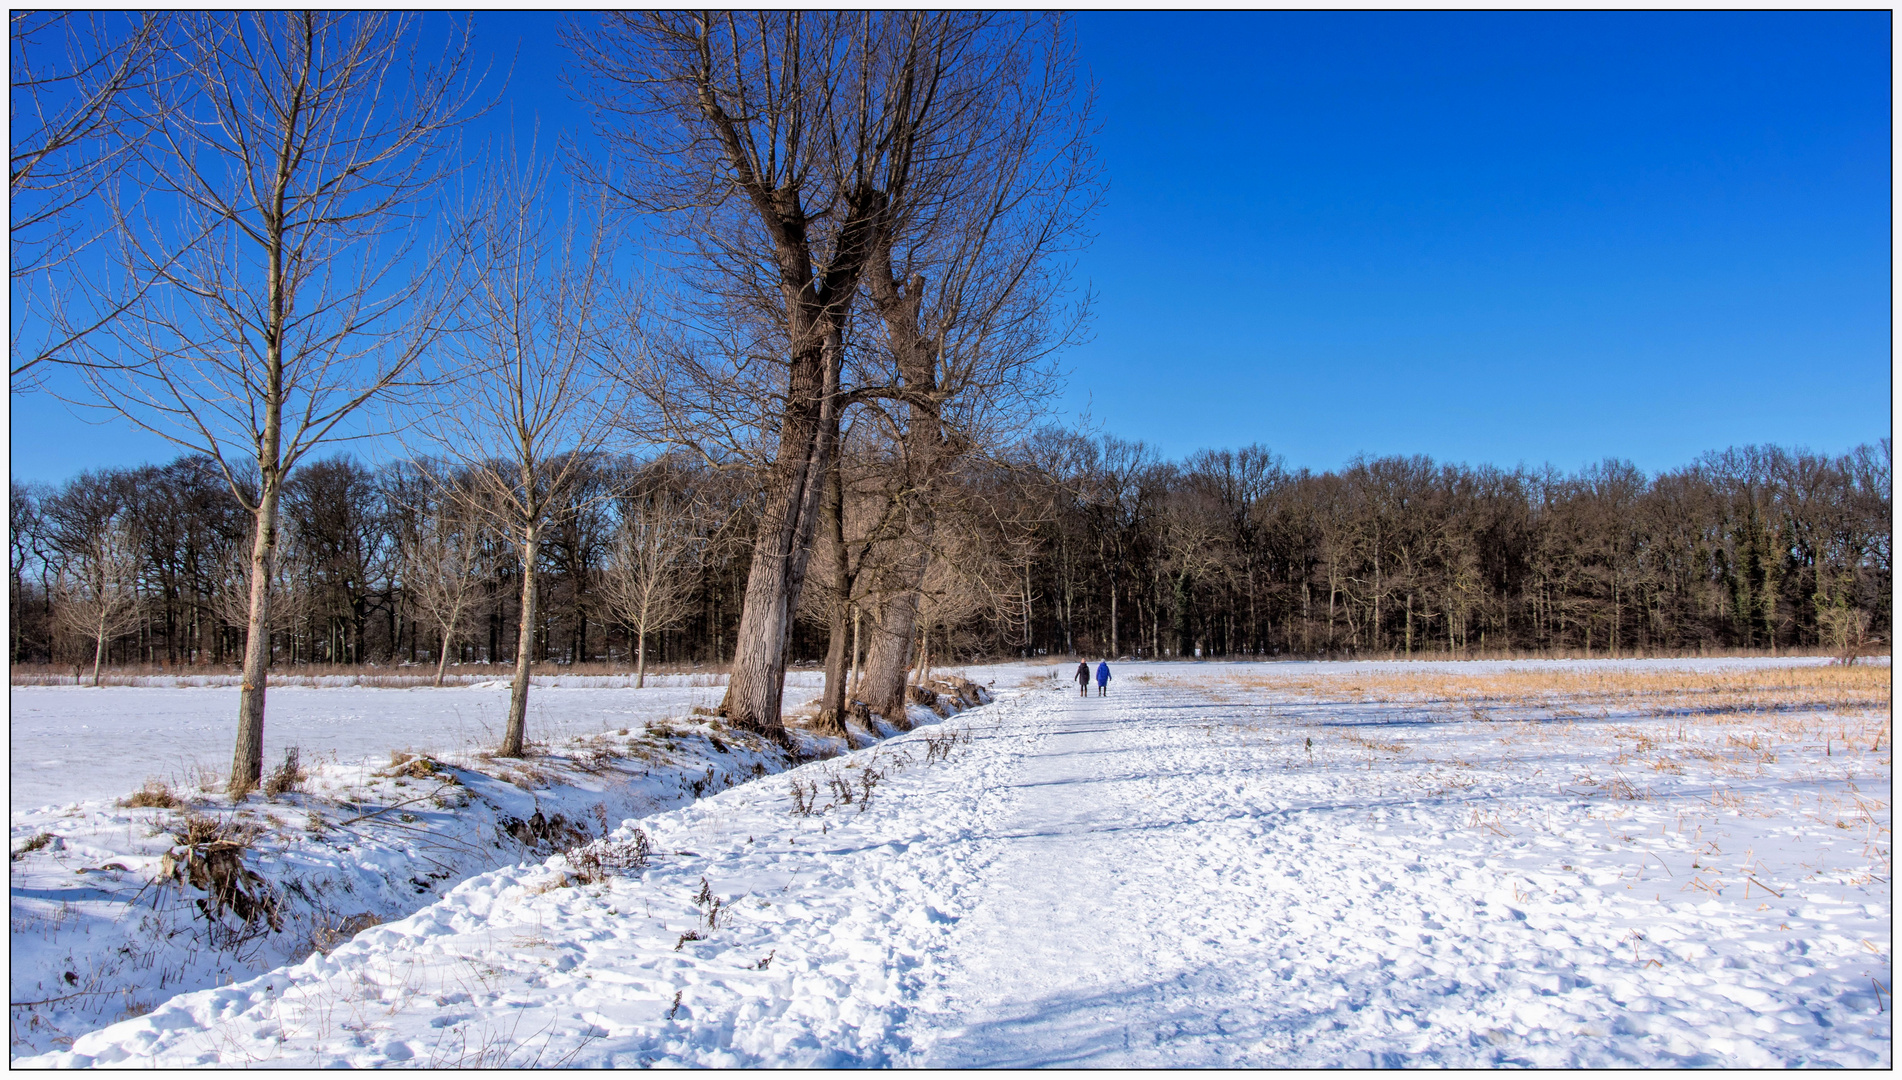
{"type": "Point", "coordinates": [156, 793]}
{"type": "Point", "coordinates": [288, 777]}
{"type": "Point", "coordinates": [415, 766]}
{"type": "Point", "coordinates": [192, 829]}
{"type": "Point", "coordinates": [1573, 692]}
{"type": "Point", "coordinates": [334, 931]}
{"type": "Point", "coordinates": [1358, 739]}
{"type": "Point", "coordinates": [33, 843]}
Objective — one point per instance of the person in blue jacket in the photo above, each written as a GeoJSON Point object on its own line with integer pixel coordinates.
{"type": "Point", "coordinates": [1102, 679]}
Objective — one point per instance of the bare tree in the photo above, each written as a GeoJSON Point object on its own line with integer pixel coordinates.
{"type": "Point", "coordinates": [968, 283]}
{"type": "Point", "coordinates": [442, 565]}
{"type": "Point", "coordinates": [961, 584]}
{"type": "Point", "coordinates": [527, 411]}
{"type": "Point", "coordinates": [99, 588]}
{"type": "Point", "coordinates": [301, 146]}
{"type": "Point", "coordinates": [78, 87]}
{"type": "Point", "coordinates": [650, 576]}
{"type": "Point", "coordinates": [779, 144]}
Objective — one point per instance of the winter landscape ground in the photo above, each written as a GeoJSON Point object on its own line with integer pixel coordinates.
{"type": "Point", "coordinates": [1564, 863]}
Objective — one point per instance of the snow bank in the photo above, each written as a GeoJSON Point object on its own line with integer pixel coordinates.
{"type": "Point", "coordinates": [400, 809]}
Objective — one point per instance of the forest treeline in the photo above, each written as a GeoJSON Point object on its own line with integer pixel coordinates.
{"type": "Point", "coordinates": [1068, 544]}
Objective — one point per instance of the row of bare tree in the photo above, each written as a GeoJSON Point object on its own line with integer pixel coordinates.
{"type": "Point", "coordinates": [1062, 544]}
{"type": "Point", "coordinates": [858, 225]}
{"type": "Point", "coordinates": [148, 566]}
{"type": "Point", "coordinates": [1230, 553]}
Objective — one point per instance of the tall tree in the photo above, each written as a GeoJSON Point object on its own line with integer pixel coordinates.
{"type": "Point", "coordinates": [965, 274]}
{"type": "Point", "coordinates": [289, 288]}
{"type": "Point", "coordinates": [99, 588]}
{"type": "Point", "coordinates": [441, 562]}
{"type": "Point", "coordinates": [525, 413]}
{"type": "Point", "coordinates": [779, 144]}
{"type": "Point", "coordinates": [653, 565]}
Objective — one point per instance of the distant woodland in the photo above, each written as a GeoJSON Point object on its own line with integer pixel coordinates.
{"type": "Point", "coordinates": [1071, 544]}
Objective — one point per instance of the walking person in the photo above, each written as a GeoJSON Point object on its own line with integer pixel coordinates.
{"type": "Point", "coordinates": [1083, 678]}
{"type": "Point", "coordinates": [1102, 679]}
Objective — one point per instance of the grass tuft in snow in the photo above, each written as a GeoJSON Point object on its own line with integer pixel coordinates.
{"type": "Point", "coordinates": [287, 777]}
{"type": "Point", "coordinates": [156, 793]}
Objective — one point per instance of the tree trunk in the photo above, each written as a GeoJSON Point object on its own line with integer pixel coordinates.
{"type": "Point", "coordinates": [890, 649]}
{"type": "Point", "coordinates": [921, 656]}
{"type": "Point", "coordinates": [1409, 632]}
{"type": "Point", "coordinates": [442, 657]}
{"type": "Point", "coordinates": [247, 758]}
{"type": "Point", "coordinates": [852, 681]}
{"type": "Point", "coordinates": [1332, 592]}
{"type": "Point", "coordinates": [98, 649]}
{"type": "Point", "coordinates": [832, 698]}
{"type": "Point", "coordinates": [759, 645]}
{"type": "Point", "coordinates": [515, 739]}
{"type": "Point", "coordinates": [1376, 635]}
{"type": "Point", "coordinates": [787, 519]}
{"type": "Point", "coordinates": [640, 660]}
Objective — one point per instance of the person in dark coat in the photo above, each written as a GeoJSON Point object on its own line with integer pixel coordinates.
{"type": "Point", "coordinates": [1083, 678]}
{"type": "Point", "coordinates": [1102, 679]}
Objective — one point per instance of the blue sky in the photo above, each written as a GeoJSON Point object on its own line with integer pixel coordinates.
{"type": "Point", "coordinates": [1491, 238]}
{"type": "Point", "coordinates": [1504, 238]}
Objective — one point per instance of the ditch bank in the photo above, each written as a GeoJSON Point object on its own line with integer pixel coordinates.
{"type": "Point", "coordinates": [117, 906]}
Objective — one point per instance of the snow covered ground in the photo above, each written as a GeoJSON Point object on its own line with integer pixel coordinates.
{"type": "Point", "coordinates": [1217, 865]}
{"type": "Point", "coordinates": [63, 738]}
{"type": "Point", "coordinates": [396, 803]}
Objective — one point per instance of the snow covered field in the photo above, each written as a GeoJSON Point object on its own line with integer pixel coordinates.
{"type": "Point", "coordinates": [1264, 865]}
{"type": "Point", "coordinates": [175, 732]}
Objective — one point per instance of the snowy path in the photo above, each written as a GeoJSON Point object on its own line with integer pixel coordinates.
{"type": "Point", "coordinates": [1085, 938]}
{"type": "Point", "coordinates": [1166, 877]}
{"type": "Point", "coordinates": [1118, 926]}
{"type": "Point", "coordinates": [1162, 902]}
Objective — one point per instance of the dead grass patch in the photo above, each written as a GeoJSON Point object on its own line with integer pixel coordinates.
{"type": "Point", "coordinates": [289, 776]}
{"type": "Point", "coordinates": [415, 766]}
{"type": "Point", "coordinates": [598, 759]}
{"type": "Point", "coordinates": [1576, 692]}
{"type": "Point", "coordinates": [209, 856]}
{"type": "Point", "coordinates": [156, 793]}
{"type": "Point", "coordinates": [1358, 739]}
{"type": "Point", "coordinates": [328, 935]}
